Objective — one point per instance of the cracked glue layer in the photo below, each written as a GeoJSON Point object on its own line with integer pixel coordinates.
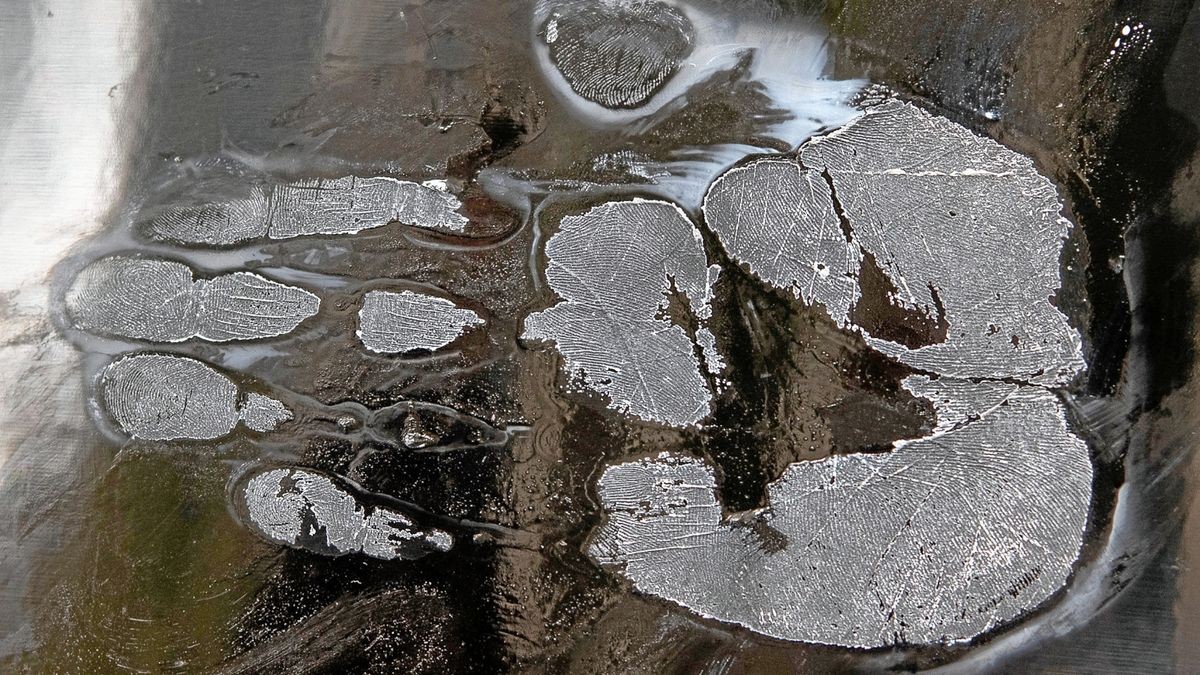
{"type": "Point", "coordinates": [159, 397]}
{"type": "Point", "coordinates": [399, 322]}
{"type": "Point", "coordinates": [924, 194]}
{"type": "Point", "coordinates": [617, 53]}
{"type": "Point", "coordinates": [779, 220]}
{"type": "Point", "coordinates": [949, 535]}
{"type": "Point", "coordinates": [613, 267]}
{"type": "Point", "coordinates": [334, 206]}
{"type": "Point", "coordinates": [158, 300]}
{"type": "Point", "coordinates": [307, 510]}
{"type": "Point", "coordinates": [939, 540]}
{"type": "Point", "coordinates": [921, 195]}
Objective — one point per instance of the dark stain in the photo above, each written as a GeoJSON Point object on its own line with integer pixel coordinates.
{"type": "Point", "coordinates": [503, 129]}
{"type": "Point", "coordinates": [507, 128]}
{"type": "Point", "coordinates": [350, 614]}
{"type": "Point", "coordinates": [843, 219]}
{"type": "Point", "coordinates": [459, 484]}
{"type": "Point", "coordinates": [864, 423]}
{"type": "Point", "coordinates": [799, 389]}
{"type": "Point", "coordinates": [880, 314]}
{"type": "Point", "coordinates": [770, 540]}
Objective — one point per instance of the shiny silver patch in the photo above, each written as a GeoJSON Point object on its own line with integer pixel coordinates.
{"type": "Point", "coordinates": [158, 397]}
{"type": "Point", "coordinates": [307, 510]}
{"type": "Point", "coordinates": [937, 541]}
{"type": "Point", "coordinates": [334, 206]}
{"type": "Point", "coordinates": [920, 194]}
{"type": "Point", "coordinates": [923, 194]}
{"type": "Point", "coordinates": [778, 219]}
{"type": "Point", "coordinates": [617, 53]}
{"type": "Point", "coordinates": [158, 300]}
{"type": "Point", "coordinates": [245, 306]}
{"type": "Point", "coordinates": [946, 536]}
{"type": "Point", "coordinates": [400, 322]}
{"type": "Point", "coordinates": [136, 298]}
{"type": "Point", "coordinates": [263, 413]}
{"type": "Point", "coordinates": [614, 268]}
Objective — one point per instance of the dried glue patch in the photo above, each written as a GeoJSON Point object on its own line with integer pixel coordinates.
{"type": "Point", "coordinates": [337, 206]}
{"type": "Point", "coordinates": [937, 541]}
{"type": "Point", "coordinates": [617, 53]}
{"type": "Point", "coordinates": [263, 413]}
{"type": "Point", "coordinates": [307, 510]}
{"type": "Point", "coordinates": [400, 322]}
{"type": "Point", "coordinates": [946, 536]}
{"type": "Point", "coordinates": [158, 300]}
{"type": "Point", "coordinates": [135, 298]}
{"type": "Point", "coordinates": [616, 268]}
{"type": "Point", "coordinates": [923, 195]}
{"type": "Point", "coordinates": [919, 195]}
{"type": "Point", "coordinates": [779, 220]}
{"type": "Point", "coordinates": [245, 306]}
{"type": "Point", "coordinates": [158, 397]}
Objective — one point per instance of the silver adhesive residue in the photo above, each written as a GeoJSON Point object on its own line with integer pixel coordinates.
{"type": "Point", "coordinates": [400, 322]}
{"type": "Point", "coordinates": [778, 219]}
{"type": "Point", "coordinates": [614, 268]}
{"type": "Point", "coordinates": [334, 206]}
{"type": "Point", "coordinates": [307, 510]}
{"type": "Point", "coordinates": [216, 224]}
{"type": "Point", "coordinates": [244, 306]}
{"type": "Point", "coordinates": [137, 298]}
{"type": "Point", "coordinates": [617, 53]}
{"type": "Point", "coordinates": [923, 195]}
{"type": "Point", "coordinates": [349, 205]}
{"type": "Point", "coordinates": [713, 361]}
{"type": "Point", "coordinates": [160, 397]}
{"type": "Point", "coordinates": [158, 300]}
{"type": "Point", "coordinates": [937, 541]}
{"type": "Point", "coordinates": [946, 536]}
{"type": "Point", "coordinates": [263, 413]}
